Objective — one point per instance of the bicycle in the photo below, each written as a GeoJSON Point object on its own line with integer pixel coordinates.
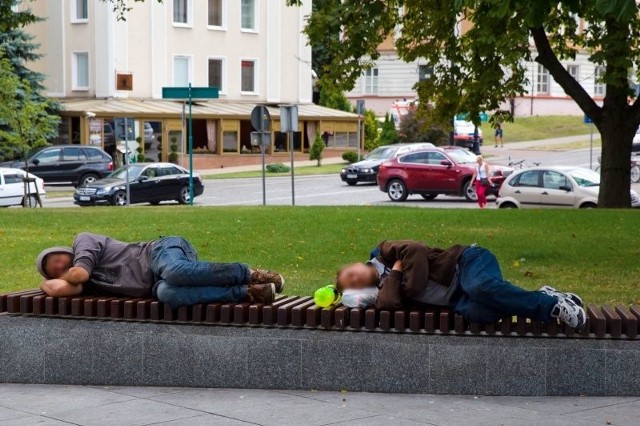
{"type": "Point", "coordinates": [635, 169]}
{"type": "Point", "coordinates": [522, 164]}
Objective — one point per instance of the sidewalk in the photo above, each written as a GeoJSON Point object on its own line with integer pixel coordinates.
{"type": "Point", "coordinates": [78, 405]}
{"type": "Point", "coordinates": [257, 167]}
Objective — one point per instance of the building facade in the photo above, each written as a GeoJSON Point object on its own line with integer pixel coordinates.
{"type": "Point", "coordinates": [253, 51]}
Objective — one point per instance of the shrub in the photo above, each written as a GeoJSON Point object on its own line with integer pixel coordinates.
{"type": "Point", "coordinates": [315, 153]}
{"type": "Point", "coordinates": [278, 168]}
{"type": "Point", "coordinates": [388, 135]}
{"type": "Point", "coordinates": [350, 156]}
{"type": "Point", "coordinates": [173, 155]}
{"type": "Point", "coordinates": [371, 139]}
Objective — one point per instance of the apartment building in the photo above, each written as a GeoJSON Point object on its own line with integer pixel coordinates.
{"type": "Point", "coordinates": [253, 51]}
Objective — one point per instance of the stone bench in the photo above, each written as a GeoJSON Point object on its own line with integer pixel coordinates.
{"type": "Point", "coordinates": [294, 344]}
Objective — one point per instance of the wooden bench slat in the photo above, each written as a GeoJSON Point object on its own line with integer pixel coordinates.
{"type": "Point", "coordinates": [598, 321]}
{"type": "Point", "coordinates": [629, 321]}
{"type": "Point", "coordinates": [614, 322]}
{"type": "Point", "coordinates": [299, 313]}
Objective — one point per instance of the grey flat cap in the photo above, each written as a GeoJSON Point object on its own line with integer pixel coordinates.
{"type": "Point", "coordinates": [43, 255]}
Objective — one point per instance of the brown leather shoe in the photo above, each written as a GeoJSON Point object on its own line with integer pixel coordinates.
{"type": "Point", "coordinates": [262, 293]}
{"type": "Point", "coordinates": [262, 276]}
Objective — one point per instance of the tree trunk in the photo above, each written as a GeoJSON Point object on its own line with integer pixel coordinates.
{"type": "Point", "coordinates": [617, 131]}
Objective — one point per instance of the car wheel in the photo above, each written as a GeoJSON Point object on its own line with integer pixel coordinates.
{"type": "Point", "coordinates": [352, 183]}
{"type": "Point", "coordinates": [119, 199]}
{"type": "Point", "coordinates": [588, 206]}
{"type": "Point", "coordinates": [397, 190]}
{"type": "Point", "coordinates": [508, 205]}
{"type": "Point", "coordinates": [183, 195]}
{"type": "Point", "coordinates": [89, 178]}
{"type": "Point", "coordinates": [635, 174]}
{"type": "Point", "coordinates": [429, 197]}
{"type": "Point", "coordinates": [469, 191]}
{"type": "Point", "coordinates": [31, 202]}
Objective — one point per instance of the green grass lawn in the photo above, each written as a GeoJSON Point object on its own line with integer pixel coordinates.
{"type": "Point", "coordinates": [539, 127]}
{"type": "Point", "coordinates": [299, 171]}
{"type": "Point", "coordinates": [595, 253]}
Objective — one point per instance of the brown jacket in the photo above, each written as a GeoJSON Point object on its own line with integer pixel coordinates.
{"type": "Point", "coordinates": [420, 264]}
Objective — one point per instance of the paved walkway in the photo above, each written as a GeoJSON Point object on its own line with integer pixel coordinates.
{"type": "Point", "coordinates": [77, 405]}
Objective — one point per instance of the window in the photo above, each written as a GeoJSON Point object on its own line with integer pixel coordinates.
{"type": "Point", "coordinates": [574, 71]}
{"type": "Point", "coordinates": [248, 15]}
{"type": "Point", "coordinates": [80, 72]}
{"type": "Point", "coordinates": [528, 179]}
{"type": "Point", "coordinates": [215, 73]}
{"type": "Point", "coordinates": [181, 71]}
{"type": "Point", "coordinates": [94, 154]}
{"type": "Point", "coordinates": [542, 81]}
{"type": "Point", "coordinates": [80, 12]}
{"type": "Point", "coordinates": [48, 156]}
{"type": "Point", "coordinates": [418, 157]}
{"type": "Point", "coordinates": [216, 13]}
{"type": "Point", "coordinates": [248, 76]}
{"type": "Point", "coordinates": [424, 72]}
{"type": "Point", "coordinates": [73, 154]}
{"type": "Point", "coordinates": [555, 180]}
{"type": "Point", "coordinates": [229, 141]}
{"type": "Point", "coordinates": [436, 158]}
{"type": "Point", "coordinates": [371, 81]}
{"type": "Point", "coordinates": [9, 179]}
{"type": "Point", "coordinates": [181, 11]}
{"type": "Point", "coordinates": [598, 86]}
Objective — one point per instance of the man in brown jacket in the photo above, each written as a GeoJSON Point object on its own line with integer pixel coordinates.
{"type": "Point", "coordinates": [467, 279]}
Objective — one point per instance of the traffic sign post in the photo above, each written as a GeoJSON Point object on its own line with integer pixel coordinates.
{"type": "Point", "coordinates": [289, 123]}
{"type": "Point", "coordinates": [360, 112]}
{"type": "Point", "coordinates": [589, 121]}
{"type": "Point", "coordinates": [188, 94]}
{"type": "Point", "coordinates": [261, 122]}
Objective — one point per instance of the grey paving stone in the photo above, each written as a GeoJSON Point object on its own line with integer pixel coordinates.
{"type": "Point", "coordinates": [35, 420]}
{"type": "Point", "coordinates": [553, 406]}
{"type": "Point", "coordinates": [132, 413]}
{"type": "Point", "coordinates": [45, 399]}
{"type": "Point", "coordinates": [618, 414]}
{"type": "Point", "coordinates": [205, 420]}
{"type": "Point", "coordinates": [21, 352]}
{"type": "Point", "coordinates": [382, 420]}
{"type": "Point", "coordinates": [274, 364]}
{"type": "Point", "coordinates": [622, 375]}
{"type": "Point", "coordinates": [516, 371]}
{"type": "Point", "coordinates": [336, 365]}
{"type": "Point", "coordinates": [139, 392]}
{"type": "Point", "coordinates": [399, 367]}
{"type": "Point", "coordinates": [563, 420]}
{"type": "Point", "coordinates": [457, 369]}
{"type": "Point", "coordinates": [69, 356]}
{"type": "Point", "coordinates": [195, 361]}
{"type": "Point", "coordinates": [7, 414]}
{"type": "Point", "coordinates": [575, 372]}
{"type": "Point", "coordinates": [118, 358]}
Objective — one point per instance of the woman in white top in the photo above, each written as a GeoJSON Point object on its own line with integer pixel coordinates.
{"type": "Point", "coordinates": [481, 180]}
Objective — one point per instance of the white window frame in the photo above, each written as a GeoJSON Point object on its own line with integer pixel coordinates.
{"type": "Point", "coordinates": [223, 26]}
{"type": "Point", "coordinates": [223, 59]}
{"type": "Point", "coordinates": [542, 71]}
{"type": "Point", "coordinates": [74, 71]}
{"type": "Point", "coordinates": [256, 73]}
{"type": "Point", "coordinates": [369, 79]}
{"type": "Point", "coordinates": [74, 13]}
{"type": "Point", "coordinates": [599, 88]}
{"type": "Point", "coordinates": [575, 67]}
{"type": "Point", "coordinates": [189, 68]}
{"type": "Point", "coordinates": [189, 23]}
{"type": "Point", "coordinates": [256, 17]}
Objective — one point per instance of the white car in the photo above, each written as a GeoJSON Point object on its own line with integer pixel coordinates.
{"type": "Point", "coordinates": [12, 188]}
{"type": "Point", "coordinates": [553, 187]}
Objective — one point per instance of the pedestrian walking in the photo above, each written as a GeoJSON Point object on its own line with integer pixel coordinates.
{"type": "Point", "coordinates": [498, 135]}
{"type": "Point", "coordinates": [481, 180]}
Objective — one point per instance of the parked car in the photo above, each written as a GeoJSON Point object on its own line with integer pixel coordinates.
{"type": "Point", "coordinates": [12, 188]}
{"type": "Point", "coordinates": [74, 164]}
{"type": "Point", "coordinates": [148, 183]}
{"type": "Point", "coordinates": [435, 171]}
{"type": "Point", "coordinates": [367, 169]}
{"type": "Point", "coordinates": [463, 134]}
{"type": "Point", "coordinates": [553, 187]}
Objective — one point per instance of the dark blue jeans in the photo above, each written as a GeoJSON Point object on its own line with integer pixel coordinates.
{"type": "Point", "coordinates": [182, 280]}
{"type": "Point", "coordinates": [486, 296]}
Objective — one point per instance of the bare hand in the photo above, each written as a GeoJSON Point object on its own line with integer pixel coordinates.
{"type": "Point", "coordinates": [397, 266]}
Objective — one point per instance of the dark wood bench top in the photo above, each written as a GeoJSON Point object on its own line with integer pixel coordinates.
{"type": "Point", "coordinates": [611, 322]}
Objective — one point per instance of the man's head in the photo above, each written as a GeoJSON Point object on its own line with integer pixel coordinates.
{"type": "Point", "coordinates": [54, 262]}
{"type": "Point", "coordinates": [356, 276]}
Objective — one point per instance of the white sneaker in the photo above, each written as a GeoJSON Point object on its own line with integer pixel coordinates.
{"type": "Point", "coordinates": [550, 291]}
{"type": "Point", "coordinates": [569, 312]}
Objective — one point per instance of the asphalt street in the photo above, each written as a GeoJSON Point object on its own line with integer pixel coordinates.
{"type": "Point", "coordinates": [330, 190]}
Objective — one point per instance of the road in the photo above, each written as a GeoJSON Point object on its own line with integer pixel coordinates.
{"type": "Point", "coordinates": [329, 190]}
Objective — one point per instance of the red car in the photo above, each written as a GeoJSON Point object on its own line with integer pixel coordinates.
{"type": "Point", "coordinates": [435, 171]}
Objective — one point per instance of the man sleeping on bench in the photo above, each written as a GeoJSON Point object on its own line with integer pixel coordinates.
{"type": "Point", "coordinates": [466, 279]}
{"type": "Point", "coordinates": [166, 268]}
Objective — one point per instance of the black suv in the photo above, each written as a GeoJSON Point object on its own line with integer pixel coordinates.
{"type": "Point", "coordinates": [75, 164]}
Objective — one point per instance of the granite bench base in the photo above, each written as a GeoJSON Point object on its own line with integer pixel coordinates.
{"type": "Point", "coordinates": [67, 351]}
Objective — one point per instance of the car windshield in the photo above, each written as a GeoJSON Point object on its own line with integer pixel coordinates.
{"type": "Point", "coordinates": [461, 156]}
{"type": "Point", "coordinates": [121, 173]}
{"type": "Point", "coordinates": [382, 153]}
{"type": "Point", "coordinates": [585, 177]}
